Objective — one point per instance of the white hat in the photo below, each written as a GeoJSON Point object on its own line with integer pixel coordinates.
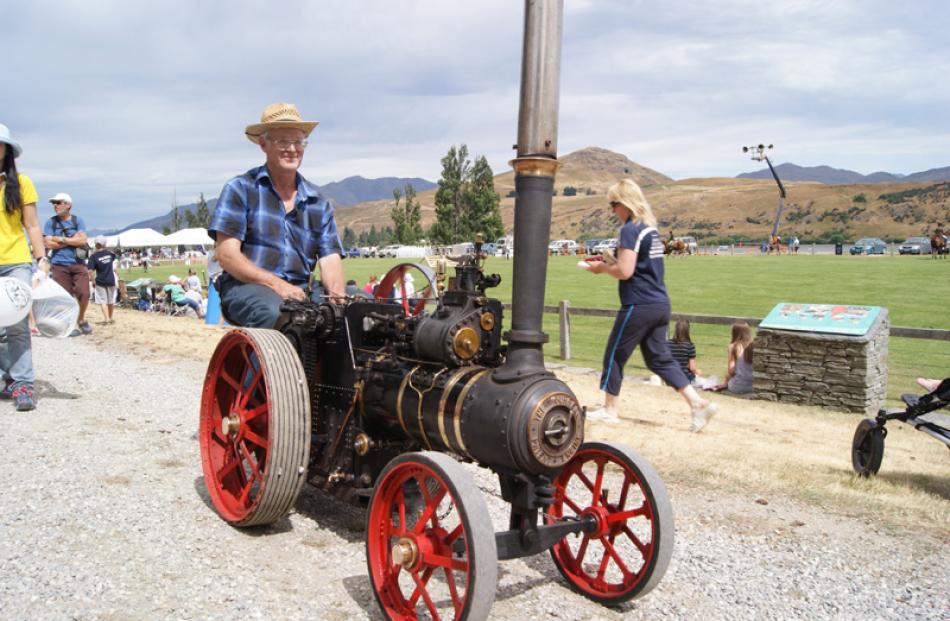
{"type": "Point", "coordinates": [101, 240]}
{"type": "Point", "coordinates": [7, 138]}
{"type": "Point", "coordinates": [174, 279]}
{"type": "Point", "coordinates": [408, 278]}
{"type": "Point", "coordinates": [62, 196]}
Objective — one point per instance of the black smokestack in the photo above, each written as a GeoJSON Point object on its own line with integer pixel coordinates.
{"type": "Point", "coordinates": [535, 167]}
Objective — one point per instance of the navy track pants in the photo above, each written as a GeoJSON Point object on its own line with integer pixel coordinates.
{"type": "Point", "coordinates": [646, 326]}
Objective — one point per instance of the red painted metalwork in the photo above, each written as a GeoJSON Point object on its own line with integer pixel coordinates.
{"type": "Point", "coordinates": [611, 563]}
{"type": "Point", "coordinates": [234, 463]}
{"type": "Point", "coordinates": [394, 278]}
{"type": "Point", "coordinates": [432, 521]}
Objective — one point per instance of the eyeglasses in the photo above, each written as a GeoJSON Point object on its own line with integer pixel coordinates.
{"type": "Point", "coordinates": [615, 204]}
{"type": "Point", "coordinates": [58, 202]}
{"type": "Point", "coordinates": [286, 144]}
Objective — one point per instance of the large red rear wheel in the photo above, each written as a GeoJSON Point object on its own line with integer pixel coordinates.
{"type": "Point", "coordinates": [430, 546]}
{"type": "Point", "coordinates": [255, 427]}
{"type": "Point", "coordinates": [630, 550]}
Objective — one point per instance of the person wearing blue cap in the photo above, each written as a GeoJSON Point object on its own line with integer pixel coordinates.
{"type": "Point", "coordinates": [16, 259]}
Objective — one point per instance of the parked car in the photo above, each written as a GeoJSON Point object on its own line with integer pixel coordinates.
{"type": "Point", "coordinates": [915, 245]}
{"type": "Point", "coordinates": [606, 245]}
{"type": "Point", "coordinates": [587, 246]}
{"type": "Point", "coordinates": [563, 246]}
{"type": "Point", "coordinates": [368, 251]}
{"type": "Point", "coordinates": [389, 251]}
{"type": "Point", "coordinates": [868, 245]}
{"type": "Point", "coordinates": [353, 252]}
{"type": "Point", "coordinates": [488, 248]}
{"type": "Point", "coordinates": [691, 246]}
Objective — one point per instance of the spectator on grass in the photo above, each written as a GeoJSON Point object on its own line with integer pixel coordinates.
{"type": "Point", "coordinates": [65, 234]}
{"type": "Point", "coordinates": [644, 315]}
{"type": "Point", "coordinates": [103, 262]}
{"type": "Point", "coordinates": [21, 243]}
{"type": "Point", "coordinates": [739, 372]}
{"type": "Point", "coordinates": [193, 283]}
{"type": "Point", "coordinates": [176, 293]}
{"type": "Point", "coordinates": [273, 227]}
{"type": "Point", "coordinates": [370, 286]}
{"type": "Point", "coordinates": [353, 290]}
{"type": "Point", "coordinates": [684, 353]}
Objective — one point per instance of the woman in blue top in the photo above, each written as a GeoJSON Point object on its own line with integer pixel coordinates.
{"type": "Point", "coordinates": [644, 315]}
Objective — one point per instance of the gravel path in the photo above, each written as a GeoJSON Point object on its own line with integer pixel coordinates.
{"type": "Point", "coordinates": [105, 516]}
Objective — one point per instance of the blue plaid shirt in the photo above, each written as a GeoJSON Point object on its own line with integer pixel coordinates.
{"type": "Point", "coordinates": [287, 244]}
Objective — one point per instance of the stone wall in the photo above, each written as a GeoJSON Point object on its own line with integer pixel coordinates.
{"type": "Point", "coordinates": [840, 372]}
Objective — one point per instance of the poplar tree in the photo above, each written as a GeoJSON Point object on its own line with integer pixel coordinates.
{"type": "Point", "coordinates": [466, 202]}
{"type": "Point", "coordinates": [407, 218]}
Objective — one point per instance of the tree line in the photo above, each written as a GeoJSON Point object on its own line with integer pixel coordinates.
{"type": "Point", "coordinates": [465, 204]}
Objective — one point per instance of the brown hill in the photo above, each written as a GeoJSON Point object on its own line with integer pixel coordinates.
{"type": "Point", "coordinates": [711, 208]}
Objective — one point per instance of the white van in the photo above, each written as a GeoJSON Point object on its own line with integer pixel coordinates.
{"type": "Point", "coordinates": [505, 245]}
{"type": "Point", "coordinates": [562, 246]}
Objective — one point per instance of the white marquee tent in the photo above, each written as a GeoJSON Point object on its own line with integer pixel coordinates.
{"type": "Point", "coordinates": [189, 237]}
{"type": "Point", "coordinates": [136, 238]}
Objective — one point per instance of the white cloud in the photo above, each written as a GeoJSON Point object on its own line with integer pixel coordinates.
{"type": "Point", "coordinates": [129, 103]}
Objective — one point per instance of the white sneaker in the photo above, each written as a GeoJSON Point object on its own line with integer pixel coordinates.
{"type": "Point", "coordinates": [702, 416]}
{"type": "Point", "coordinates": [602, 414]}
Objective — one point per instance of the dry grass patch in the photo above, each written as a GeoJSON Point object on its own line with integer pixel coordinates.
{"type": "Point", "coordinates": [763, 449]}
{"type": "Point", "coordinates": [756, 448]}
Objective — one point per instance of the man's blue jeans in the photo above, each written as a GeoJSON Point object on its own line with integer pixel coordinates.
{"type": "Point", "coordinates": [250, 305]}
{"type": "Point", "coordinates": [16, 352]}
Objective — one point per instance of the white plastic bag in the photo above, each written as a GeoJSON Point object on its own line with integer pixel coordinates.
{"type": "Point", "coordinates": [54, 310]}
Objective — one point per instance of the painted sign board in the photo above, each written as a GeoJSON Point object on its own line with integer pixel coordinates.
{"type": "Point", "coordinates": [830, 318]}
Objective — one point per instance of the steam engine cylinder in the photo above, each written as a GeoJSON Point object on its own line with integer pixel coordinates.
{"type": "Point", "coordinates": [532, 425]}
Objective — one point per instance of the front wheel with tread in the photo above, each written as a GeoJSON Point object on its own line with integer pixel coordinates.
{"type": "Point", "coordinates": [867, 448]}
{"type": "Point", "coordinates": [627, 555]}
{"type": "Point", "coordinates": [430, 545]}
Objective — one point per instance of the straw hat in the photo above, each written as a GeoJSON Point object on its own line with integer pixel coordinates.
{"type": "Point", "coordinates": [7, 138]}
{"type": "Point", "coordinates": [275, 116]}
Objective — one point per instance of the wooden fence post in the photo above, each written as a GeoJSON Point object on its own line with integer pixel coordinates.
{"type": "Point", "coordinates": [564, 328]}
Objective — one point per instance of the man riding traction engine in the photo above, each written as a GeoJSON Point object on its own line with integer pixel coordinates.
{"type": "Point", "coordinates": [377, 401]}
{"type": "Point", "coordinates": [342, 395]}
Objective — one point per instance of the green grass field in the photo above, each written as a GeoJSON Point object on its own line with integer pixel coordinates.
{"type": "Point", "coordinates": [915, 290]}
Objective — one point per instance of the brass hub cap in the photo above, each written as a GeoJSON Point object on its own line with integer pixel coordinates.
{"type": "Point", "coordinates": [405, 552]}
{"type": "Point", "coordinates": [230, 425]}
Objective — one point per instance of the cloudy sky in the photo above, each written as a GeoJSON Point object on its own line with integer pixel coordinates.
{"type": "Point", "coordinates": [125, 104]}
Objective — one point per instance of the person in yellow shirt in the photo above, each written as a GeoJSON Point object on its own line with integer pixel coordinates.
{"type": "Point", "coordinates": [16, 261]}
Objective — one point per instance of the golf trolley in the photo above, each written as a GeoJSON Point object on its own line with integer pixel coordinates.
{"type": "Point", "coordinates": [867, 448]}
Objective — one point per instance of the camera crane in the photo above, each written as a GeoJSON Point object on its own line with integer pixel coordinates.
{"type": "Point", "coordinates": [758, 154]}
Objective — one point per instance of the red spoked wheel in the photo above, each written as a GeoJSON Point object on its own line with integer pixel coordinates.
{"type": "Point", "coordinates": [629, 552]}
{"type": "Point", "coordinates": [255, 427]}
{"type": "Point", "coordinates": [430, 546]}
{"type": "Point", "coordinates": [396, 286]}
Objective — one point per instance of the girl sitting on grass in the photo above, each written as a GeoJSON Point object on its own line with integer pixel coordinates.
{"type": "Point", "coordinates": [684, 353]}
{"type": "Point", "coordinates": [739, 374]}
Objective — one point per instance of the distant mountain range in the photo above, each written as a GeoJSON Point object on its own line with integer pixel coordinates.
{"type": "Point", "coordinates": [841, 176]}
{"type": "Point", "coordinates": [348, 192]}
{"type": "Point", "coordinates": [355, 190]}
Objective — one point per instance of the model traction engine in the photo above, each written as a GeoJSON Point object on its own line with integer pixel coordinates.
{"type": "Point", "coordinates": [377, 401]}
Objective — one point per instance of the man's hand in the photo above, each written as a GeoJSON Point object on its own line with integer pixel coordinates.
{"type": "Point", "coordinates": [288, 291]}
